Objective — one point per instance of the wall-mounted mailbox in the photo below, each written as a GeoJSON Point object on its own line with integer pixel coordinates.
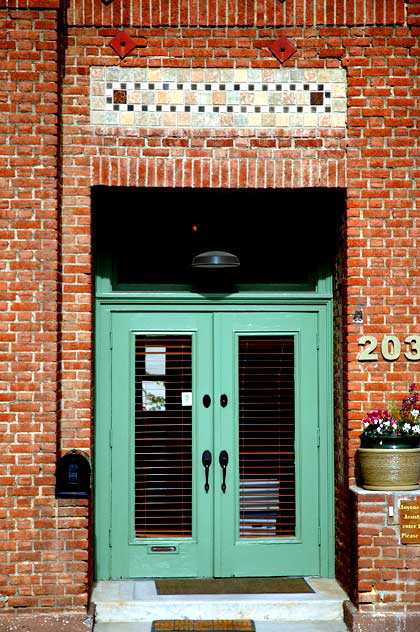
{"type": "Point", "coordinates": [73, 476]}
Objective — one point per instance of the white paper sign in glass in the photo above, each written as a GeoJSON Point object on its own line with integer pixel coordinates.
{"type": "Point", "coordinates": [155, 360]}
{"type": "Point", "coordinates": [186, 399]}
{"type": "Point", "coordinates": [153, 396]}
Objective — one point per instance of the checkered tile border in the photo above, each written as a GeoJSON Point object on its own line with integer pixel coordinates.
{"type": "Point", "coordinates": [236, 98]}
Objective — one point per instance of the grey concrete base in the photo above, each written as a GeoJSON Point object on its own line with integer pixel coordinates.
{"type": "Point", "coordinates": [137, 602]}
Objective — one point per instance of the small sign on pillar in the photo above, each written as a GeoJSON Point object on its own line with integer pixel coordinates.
{"type": "Point", "coordinates": [410, 521]}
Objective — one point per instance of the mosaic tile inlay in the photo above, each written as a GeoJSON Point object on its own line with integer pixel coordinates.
{"type": "Point", "coordinates": [170, 97]}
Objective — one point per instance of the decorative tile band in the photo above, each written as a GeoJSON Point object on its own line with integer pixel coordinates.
{"type": "Point", "coordinates": [171, 97]}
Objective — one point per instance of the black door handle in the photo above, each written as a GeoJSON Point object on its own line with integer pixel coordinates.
{"type": "Point", "coordinates": [206, 401]}
{"type": "Point", "coordinates": [223, 400]}
{"type": "Point", "coordinates": [223, 460]}
{"type": "Point", "coordinates": [206, 461]}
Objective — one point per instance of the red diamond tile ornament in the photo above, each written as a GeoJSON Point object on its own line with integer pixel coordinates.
{"type": "Point", "coordinates": [123, 44]}
{"type": "Point", "coordinates": [282, 49]}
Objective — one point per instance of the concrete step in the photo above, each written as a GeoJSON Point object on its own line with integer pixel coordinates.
{"type": "Point", "coordinates": [137, 602]}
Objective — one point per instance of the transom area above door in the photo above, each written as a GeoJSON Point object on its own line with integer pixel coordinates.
{"type": "Point", "coordinates": [284, 240]}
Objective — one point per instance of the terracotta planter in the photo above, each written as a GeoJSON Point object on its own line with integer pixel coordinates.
{"type": "Point", "coordinates": [393, 464]}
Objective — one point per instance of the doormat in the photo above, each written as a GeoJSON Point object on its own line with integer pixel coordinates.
{"type": "Point", "coordinates": [232, 586]}
{"type": "Point", "coordinates": [214, 625]}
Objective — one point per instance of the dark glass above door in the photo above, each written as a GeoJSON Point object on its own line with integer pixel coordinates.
{"type": "Point", "coordinates": [149, 237]}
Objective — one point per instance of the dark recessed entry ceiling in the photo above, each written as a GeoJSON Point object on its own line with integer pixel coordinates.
{"type": "Point", "coordinates": [152, 235]}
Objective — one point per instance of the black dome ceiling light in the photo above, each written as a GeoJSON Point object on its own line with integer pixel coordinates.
{"type": "Point", "coordinates": [215, 260]}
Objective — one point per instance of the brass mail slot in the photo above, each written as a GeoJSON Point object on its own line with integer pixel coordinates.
{"type": "Point", "coordinates": [162, 549]}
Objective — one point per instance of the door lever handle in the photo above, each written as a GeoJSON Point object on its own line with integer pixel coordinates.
{"type": "Point", "coordinates": [223, 461]}
{"type": "Point", "coordinates": [206, 461]}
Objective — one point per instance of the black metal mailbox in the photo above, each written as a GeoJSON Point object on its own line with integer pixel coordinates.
{"type": "Point", "coordinates": [73, 476]}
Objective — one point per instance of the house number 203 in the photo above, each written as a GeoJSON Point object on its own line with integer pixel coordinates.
{"type": "Point", "coordinates": [390, 348]}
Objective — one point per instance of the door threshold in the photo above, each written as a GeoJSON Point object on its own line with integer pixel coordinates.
{"type": "Point", "coordinates": [137, 601]}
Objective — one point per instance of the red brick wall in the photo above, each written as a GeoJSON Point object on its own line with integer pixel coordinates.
{"type": "Point", "coordinates": [261, 13]}
{"type": "Point", "coordinates": [383, 213]}
{"type": "Point", "coordinates": [377, 159]}
{"type": "Point", "coordinates": [385, 567]}
{"type": "Point", "coordinates": [43, 557]}
{"type": "Point", "coordinates": [382, 218]}
{"type": "Point", "coordinates": [387, 572]}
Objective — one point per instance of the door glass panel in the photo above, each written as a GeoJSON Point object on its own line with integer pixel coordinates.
{"type": "Point", "coordinates": [266, 436]}
{"type": "Point", "coordinates": [163, 434]}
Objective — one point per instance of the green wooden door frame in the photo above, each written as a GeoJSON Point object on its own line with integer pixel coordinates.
{"type": "Point", "coordinates": [109, 303]}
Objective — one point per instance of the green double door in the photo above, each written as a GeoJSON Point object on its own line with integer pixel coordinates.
{"type": "Point", "coordinates": [215, 434]}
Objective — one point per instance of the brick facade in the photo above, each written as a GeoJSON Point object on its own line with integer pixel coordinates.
{"type": "Point", "coordinates": [51, 156]}
{"type": "Point", "coordinates": [43, 542]}
{"type": "Point", "coordinates": [387, 574]}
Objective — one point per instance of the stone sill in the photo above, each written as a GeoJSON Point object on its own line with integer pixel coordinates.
{"type": "Point", "coordinates": [360, 491]}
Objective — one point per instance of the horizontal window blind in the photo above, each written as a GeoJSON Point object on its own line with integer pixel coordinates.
{"type": "Point", "coordinates": [163, 434]}
{"type": "Point", "coordinates": [267, 436]}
